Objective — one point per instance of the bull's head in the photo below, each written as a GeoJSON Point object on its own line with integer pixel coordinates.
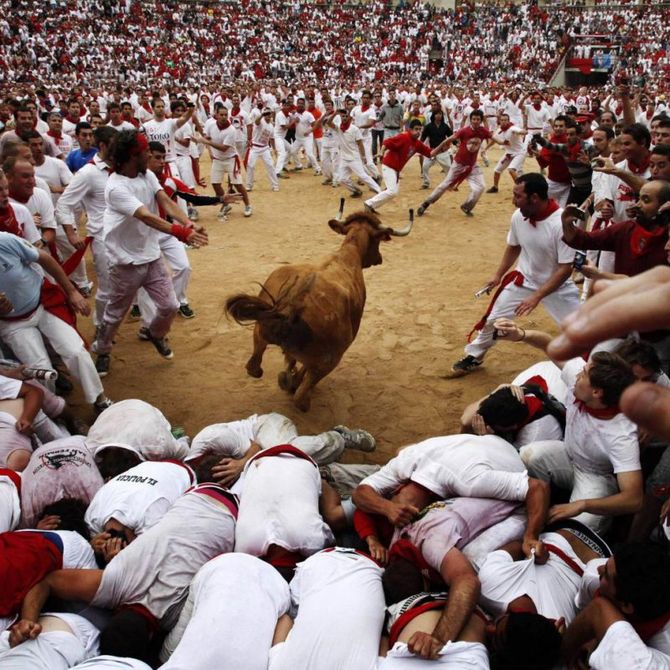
{"type": "Point", "coordinates": [376, 232]}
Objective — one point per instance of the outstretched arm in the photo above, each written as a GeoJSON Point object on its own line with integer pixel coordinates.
{"type": "Point", "coordinates": [464, 588]}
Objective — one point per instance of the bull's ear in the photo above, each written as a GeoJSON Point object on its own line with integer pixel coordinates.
{"type": "Point", "coordinates": [337, 226]}
{"type": "Point", "coordinates": [383, 235]}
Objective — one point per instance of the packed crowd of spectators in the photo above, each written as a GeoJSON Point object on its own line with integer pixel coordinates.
{"type": "Point", "coordinates": [99, 41]}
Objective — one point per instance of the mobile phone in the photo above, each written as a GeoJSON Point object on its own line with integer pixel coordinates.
{"type": "Point", "coordinates": [482, 291]}
{"type": "Point", "coordinates": [577, 212]}
{"type": "Point", "coordinates": [580, 259]}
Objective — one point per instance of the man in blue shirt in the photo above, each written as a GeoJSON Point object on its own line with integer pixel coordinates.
{"type": "Point", "coordinates": [27, 326]}
{"type": "Point", "coordinates": [77, 158]}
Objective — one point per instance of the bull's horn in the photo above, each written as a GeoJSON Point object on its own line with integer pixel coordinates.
{"type": "Point", "coordinates": [402, 232]}
{"type": "Point", "coordinates": [341, 210]}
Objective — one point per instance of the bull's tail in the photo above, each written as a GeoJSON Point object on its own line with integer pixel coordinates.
{"type": "Point", "coordinates": [288, 331]}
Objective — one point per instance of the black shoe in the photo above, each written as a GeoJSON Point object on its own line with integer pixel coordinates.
{"type": "Point", "coordinates": [421, 210]}
{"type": "Point", "coordinates": [464, 366]}
{"type": "Point", "coordinates": [493, 189]}
{"type": "Point", "coordinates": [186, 311]}
{"type": "Point", "coordinates": [162, 346]}
{"type": "Point", "coordinates": [102, 364]}
{"type": "Point", "coordinates": [135, 312]}
{"type": "Point", "coordinates": [144, 334]}
{"type": "Point", "coordinates": [466, 211]}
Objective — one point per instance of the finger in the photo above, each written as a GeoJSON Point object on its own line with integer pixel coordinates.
{"type": "Point", "coordinates": [648, 405]}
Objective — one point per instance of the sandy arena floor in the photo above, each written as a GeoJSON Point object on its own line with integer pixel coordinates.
{"type": "Point", "coordinates": [420, 308]}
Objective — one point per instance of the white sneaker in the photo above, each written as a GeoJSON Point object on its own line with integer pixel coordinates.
{"type": "Point", "coordinates": [275, 188]}
{"type": "Point", "coordinates": [250, 188]}
{"type": "Point", "coordinates": [247, 210]}
{"type": "Point", "coordinates": [318, 172]}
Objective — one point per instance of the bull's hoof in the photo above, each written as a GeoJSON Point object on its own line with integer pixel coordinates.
{"type": "Point", "coordinates": [286, 382]}
{"type": "Point", "coordinates": [254, 371]}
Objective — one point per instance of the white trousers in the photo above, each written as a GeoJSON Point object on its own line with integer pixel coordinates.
{"type": "Point", "coordinates": [25, 339]}
{"type": "Point", "coordinates": [101, 265]}
{"type": "Point", "coordinates": [559, 304]}
{"type": "Point", "coordinates": [307, 144]}
{"type": "Point", "coordinates": [548, 460]}
{"type": "Point", "coordinates": [78, 276]}
{"type": "Point", "coordinates": [369, 160]}
{"type": "Point", "coordinates": [283, 149]}
{"type": "Point", "coordinates": [330, 162]}
{"type": "Point", "coordinates": [185, 167]}
{"type": "Point", "coordinates": [263, 154]}
{"type": "Point", "coordinates": [475, 181]}
{"type": "Point", "coordinates": [443, 159]}
{"type": "Point", "coordinates": [349, 167]}
{"type": "Point", "coordinates": [174, 253]}
{"type": "Point", "coordinates": [559, 192]}
{"type": "Point", "coordinates": [392, 188]}
{"type": "Point", "coordinates": [173, 169]}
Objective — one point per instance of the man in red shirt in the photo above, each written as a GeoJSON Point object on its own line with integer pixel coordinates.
{"type": "Point", "coordinates": [558, 175]}
{"type": "Point", "coordinates": [396, 151]}
{"type": "Point", "coordinates": [465, 165]}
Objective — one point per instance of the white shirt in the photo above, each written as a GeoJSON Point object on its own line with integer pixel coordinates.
{"type": "Point", "coordinates": [348, 143]}
{"type": "Point", "coordinates": [536, 119]}
{"type": "Point", "coordinates": [362, 118]}
{"type": "Point", "coordinates": [340, 614]}
{"type": "Point", "coordinates": [620, 193]}
{"type": "Point", "coordinates": [457, 465]}
{"type": "Point", "coordinates": [542, 247]}
{"type": "Point", "coordinates": [304, 126]}
{"type": "Point", "coordinates": [87, 188]}
{"type": "Point", "coordinates": [163, 132]}
{"type": "Point", "coordinates": [124, 125]}
{"type": "Point", "coordinates": [40, 203]}
{"type": "Point", "coordinates": [55, 173]}
{"type": "Point", "coordinates": [10, 505]}
{"type": "Point", "coordinates": [183, 133]}
{"type": "Point", "coordinates": [138, 498]}
{"type": "Point", "coordinates": [280, 505]}
{"type": "Point", "coordinates": [262, 133]}
{"type": "Point", "coordinates": [227, 136]}
{"type": "Point", "coordinates": [515, 142]}
{"type": "Point", "coordinates": [281, 119]}
{"type": "Point", "coordinates": [552, 587]}
{"type": "Point", "coordinates": [127, 239]}
{"type": "Point", "coordinates": [240, 121]}
{"type": "Point", "coordinates": [330, 135]}
{"type": "Point", "coordinates": [26, 222]}
{"type": "Point", "coordinates": [600, 446]}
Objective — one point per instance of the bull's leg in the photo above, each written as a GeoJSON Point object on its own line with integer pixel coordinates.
{"type": "Point", "coordinates": [254, 368]}
{"type": "Point", "coordinates": [303, 394]}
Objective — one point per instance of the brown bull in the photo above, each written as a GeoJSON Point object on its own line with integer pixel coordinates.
{"type": "Point", "coordinates": [313, 311]}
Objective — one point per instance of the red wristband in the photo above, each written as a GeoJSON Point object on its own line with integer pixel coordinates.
{"type": "Point", "coordinates": [182, 233]}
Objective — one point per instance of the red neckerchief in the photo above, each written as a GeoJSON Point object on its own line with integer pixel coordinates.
{"type": "Point", "coordinates": [504, 128]}
{"type": "Point", "coordinates": [551, 207]}
{"type": "Point", "coordinates": [537, 106]}
{"type": "Point", "coordinates": [226, 125]}
{"type": "Point", "coordinates": [56, 136]}
{"type": "Point", "coordinates": [650, 115]}
{"type": "Point", "coordinates": [8, 222]}
{"type": "Point", "coordinates": [146, 106]}
{"type": "Point", "coordinates": [640, 168]}
{"type": "Point", "coordinates": [640, 238]}
{"type": "Point", "coordinates": [605, 413]}
{"type": "Point", "coordinates": [364, 108]}
{"type": "Point", "coordinates": [234, 111]}
{"type": "Point", "coordinates": [71, 120]}
{"type": "Point", "coordinates": [344, 126]}
{"type": "Point", "coordinates": [534, 404]}
{"type": "Point", "coordinates": [512, 277]}
{"type": "Point", "coordinates": [15, 477]}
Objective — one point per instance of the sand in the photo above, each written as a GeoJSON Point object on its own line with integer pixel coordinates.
{"type": "Point", "coordinates": [420, 308]}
